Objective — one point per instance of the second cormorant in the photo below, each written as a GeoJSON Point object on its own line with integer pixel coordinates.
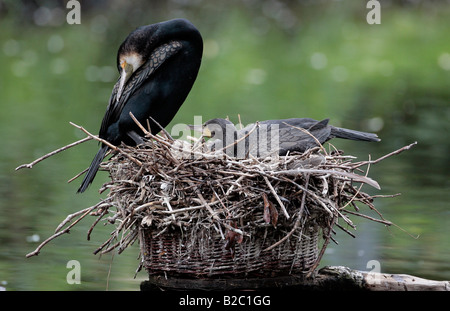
{"type": "Point", "coordinates": [275, 136]}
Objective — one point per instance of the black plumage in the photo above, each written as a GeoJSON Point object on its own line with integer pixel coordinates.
{"type": "Point", "coordinates": [158, 65]}
{"type": "Point", "coordinates": [276, 136]}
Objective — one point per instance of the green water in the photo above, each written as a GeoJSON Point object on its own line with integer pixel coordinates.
{"type": "Point", "coordinates": [262, 62]}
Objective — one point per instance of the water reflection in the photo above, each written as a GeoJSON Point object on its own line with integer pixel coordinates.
{"type": "Point", "coordinates": [418, 243]}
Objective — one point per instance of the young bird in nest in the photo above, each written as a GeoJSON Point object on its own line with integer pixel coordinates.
{"type": "Point", "coordinates": [271, 137]}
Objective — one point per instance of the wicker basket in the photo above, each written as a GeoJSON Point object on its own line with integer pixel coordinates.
{"type": "Point", "coordinates": [187, 210]}
{"type": "Point", "coordinates": [205, 254]}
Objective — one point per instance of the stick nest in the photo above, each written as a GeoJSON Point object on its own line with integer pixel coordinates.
{"type": "Point", "coordinates": [165, 185]}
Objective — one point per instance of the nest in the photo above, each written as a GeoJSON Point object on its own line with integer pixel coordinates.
{"type": "Point", "coordinates": [200, 213]}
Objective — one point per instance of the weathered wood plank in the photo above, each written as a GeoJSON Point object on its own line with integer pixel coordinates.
{"type": "Point", "coordinates": [327, 278]}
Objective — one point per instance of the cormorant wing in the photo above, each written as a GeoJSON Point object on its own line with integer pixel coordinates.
{"type": "Point", "coordinates": [158, 57]}
{"type": "Point", "coordinates": [302, 134]}
{"type": "Point", "coordinates": [321, 131]}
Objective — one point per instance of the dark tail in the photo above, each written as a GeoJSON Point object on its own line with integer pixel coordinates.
{"type": "Point", "coordinates": [92, 171]}
{"type": "Point", "coordinates": [353, 135]}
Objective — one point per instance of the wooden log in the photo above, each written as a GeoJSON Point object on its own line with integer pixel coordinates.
{"type": "Point", "coordinates": [328, 278]}
{"type": "Point", "coordinates": [380, 281]}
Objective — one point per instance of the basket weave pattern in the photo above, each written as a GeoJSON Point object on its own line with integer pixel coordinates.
{"type": "Point", "coordinates": [206, 256]}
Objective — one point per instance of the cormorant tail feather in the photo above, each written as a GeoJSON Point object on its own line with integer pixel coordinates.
{"type": "Point", "coordinates": [93, 168]}
{"type": "Point", "coordinates": [353, 135]}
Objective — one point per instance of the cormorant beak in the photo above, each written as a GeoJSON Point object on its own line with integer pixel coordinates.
{"type": "Point", "coordinates": [207, 132]}
{"type": "Point", "coordinates": [127, 71]}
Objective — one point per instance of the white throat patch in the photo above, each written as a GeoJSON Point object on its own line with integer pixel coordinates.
{"type": "Point", "coordinates": [133, 59]}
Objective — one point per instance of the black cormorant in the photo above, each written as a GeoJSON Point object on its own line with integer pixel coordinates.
{"type": "Point", "coordinates": [275, 136]}
{"type": "Point", "coordinates": [158, 65]}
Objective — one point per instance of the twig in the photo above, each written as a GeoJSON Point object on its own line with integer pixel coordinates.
{"type": "Point", "coordinates": [308, 133]}
{"type": "Point", "coordinates": [383, 221]}
{"type": "Point", "coordinates": [297, 222]}
{"type": "Point", "coordinates": [139, 124]}
{"type": "Point", "coordinates": [162, 129]}
{"type": "Point", "coordinates": [345, 230]}
{"type": "Point", "coordinates": [66, 230]}
{"type": "Point", "coordinates": [107, 143]}
{"type": "Point", "coordinates": [38, 249]}
{"type": "Point", "coordinates": [283, 208]}
{"type": "Point", "coordinates": [385, 156]}
{"type": "Point", "coordinates": [359, 189]}
{"type": "Point", "coordinates": [355, 177]}
{"type": "Point", "coordinates": [217, 218]}
{"type": "Point", "coordinates": [78, 175]}
{"type": "Point", "coordinates": [72, 216]}
{"type": "Point", "coordinates": [104, 212]}
{"type": "Point", "coordinates": [322, 250]}
{"type": "Point", "coordinates": [169, 207]}
{"type": "Point", "coordinates": [240, 139]}
{"type": "Point", "coordinates": [107, 242]}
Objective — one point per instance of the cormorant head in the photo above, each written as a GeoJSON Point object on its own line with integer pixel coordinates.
{"type": "Point", "coordinates": [140, 44]}
{"type": "Point", "coordinates": [213, 127]}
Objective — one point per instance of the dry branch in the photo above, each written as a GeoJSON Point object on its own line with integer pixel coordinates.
{"type": "Point", "coordinates": [48, 155]}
